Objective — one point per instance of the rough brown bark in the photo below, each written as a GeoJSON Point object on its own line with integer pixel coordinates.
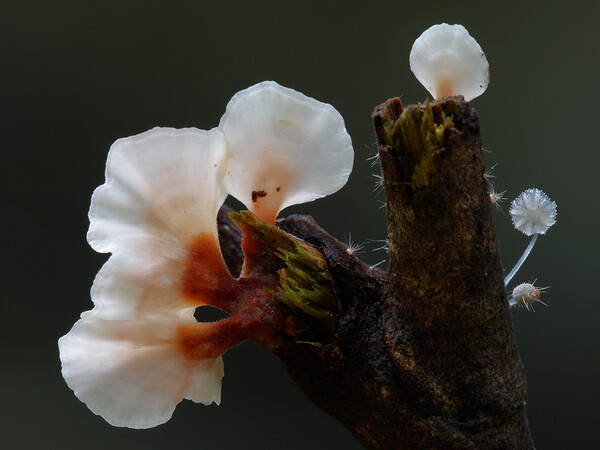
{"type": "Point", "coordinates": [422, 356]}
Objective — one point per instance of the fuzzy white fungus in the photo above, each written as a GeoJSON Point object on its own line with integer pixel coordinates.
{"type": "Point", "coordinates": [533, 212]}
{"type": "Point", "coordinates": [283, 148]}
{"type": "Point", "coordinates": [525, 295]}
{"type": "Point", "coordinates": [447, 61]}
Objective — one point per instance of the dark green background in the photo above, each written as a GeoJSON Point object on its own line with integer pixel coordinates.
{"type": "Point", "coordinates": [76, 75]}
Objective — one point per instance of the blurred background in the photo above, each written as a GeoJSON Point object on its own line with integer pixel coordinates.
{"type": "Point", "coordinates": [76, 75]}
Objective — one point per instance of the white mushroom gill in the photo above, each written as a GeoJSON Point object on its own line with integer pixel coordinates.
{"type": "Point", "coordinates": [447, 61]}
{"type": "Point", "coordinates": [283, 148]}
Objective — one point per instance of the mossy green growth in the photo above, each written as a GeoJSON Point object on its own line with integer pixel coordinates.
{"type": "Point", "coordinates": [306, 286]}
{"type": "Point", "coordinates": [421, 131]}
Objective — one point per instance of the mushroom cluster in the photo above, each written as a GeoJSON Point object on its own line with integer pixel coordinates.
{"type": "Point", "coordinates": [140, 350]}
{"type": "Point", "coordinates": [532, 213]}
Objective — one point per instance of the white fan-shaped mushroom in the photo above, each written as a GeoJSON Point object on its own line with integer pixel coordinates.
{"type": "Point", "coordinates": [163, 190]}
{"type": "Point", "coordinates": [127, 359]}
{"type": "Point", "coordinates": [448, 61]}
{"type": "Point", "coordinates": [165, 182]}
{"type": "Point", "coordinates": [283, 148]}
{"type": "Point", "coordinates": [132, 373]}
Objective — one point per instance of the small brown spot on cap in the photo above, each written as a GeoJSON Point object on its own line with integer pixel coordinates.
{"type": "Point", "coordinates": [278, 188]}
{"type": "Point", "coordinates": [258, 194]}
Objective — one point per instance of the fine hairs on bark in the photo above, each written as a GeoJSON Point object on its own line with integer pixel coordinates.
{"type": "Point", "coordinates": [423, 355]}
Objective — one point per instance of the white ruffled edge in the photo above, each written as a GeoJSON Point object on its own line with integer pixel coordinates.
{"type": "Point", "coordinates": [163, 188]}
{"type": "Point", "coordinates": [280, 138]}
{"type": "Point", "coordinates": [132, 373]}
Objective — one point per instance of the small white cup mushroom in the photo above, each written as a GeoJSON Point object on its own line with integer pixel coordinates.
{"type": "Point", "coordinates": [283, 148]}
{"type": "Point", "coordinates": [447, 61]}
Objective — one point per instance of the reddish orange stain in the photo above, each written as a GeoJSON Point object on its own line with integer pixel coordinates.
{"type": "Point", "coordinates": [251, 248]}
{"type": "Point", "coordinates": [205, 279]}
{"type": "Point", "coordinates": [209, 340]}
{"type": "Point", "coordinates": [255, 319]}
{"type": "Point", "coordinates": [445, 89]}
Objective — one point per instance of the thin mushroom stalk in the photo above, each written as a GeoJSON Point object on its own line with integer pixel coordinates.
{"type": "Point", "coordinates": [521, 260]}
{"type": "Point", "coordinates": [532, 213]}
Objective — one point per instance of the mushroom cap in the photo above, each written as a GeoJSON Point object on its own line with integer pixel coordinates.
{"type": "Point", "coordinates": [124, 358]}
{"type": "Point", "coordinates": [533, 212]}
{"type": "Point", "coordinates": [132, 372]}
{"type": "Point", "coordinates": [526, 295]}
{"type": "Point", "coordinates": [448, 61]}
{"type": "Point", "coordinates": [165, 182]}
{"type": "Point", "coordinates": [163, 190]}
{"type": "Point", "coordinates": [283, 148]}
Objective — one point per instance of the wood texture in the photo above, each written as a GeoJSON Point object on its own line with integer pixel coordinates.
{"type": "Point", "coordinates": [422, 356]}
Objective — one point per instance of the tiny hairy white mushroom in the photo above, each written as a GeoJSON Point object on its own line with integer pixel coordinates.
{"type": "Point", "coordinates": [448, 61]}
{"type": "Point", "coordinates": [525, 295]}
{"type": "Point", "coordinates": [283, 148]}
{"type": "Point", "coordinates": [533, 212]}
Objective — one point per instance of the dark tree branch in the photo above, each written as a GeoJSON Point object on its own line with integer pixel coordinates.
{"type": "Point", "coordinates": [230, 241]}
{"type": "Point", "coordinates": [422, 356]}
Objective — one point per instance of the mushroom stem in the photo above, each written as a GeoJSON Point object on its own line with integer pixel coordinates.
{"type": "Point", "coordinates": [445, 88]}
{"type": "Point", "coordinates": [521, 259]}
